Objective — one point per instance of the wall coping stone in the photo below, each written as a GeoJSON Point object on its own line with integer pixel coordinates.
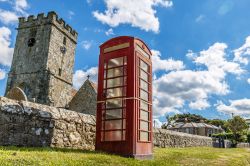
{"type": "Point", "coordinates": [43, 111]}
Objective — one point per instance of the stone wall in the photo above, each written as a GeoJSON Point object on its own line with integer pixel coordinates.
{"type": "Point", "coordinates": [165, 138]}
{"type": "Point", "coordinates": [24, 123]}
{"type": "Point", "coordinates": [30, 124]}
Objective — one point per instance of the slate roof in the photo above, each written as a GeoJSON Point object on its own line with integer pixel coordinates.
{"type": "Point", "coordinates": [193, 125]}
{"type": "Point", "coordinates": [94, 85]}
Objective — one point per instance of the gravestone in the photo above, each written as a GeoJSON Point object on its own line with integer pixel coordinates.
{"type": "Point", "coordinates": [17, 93]}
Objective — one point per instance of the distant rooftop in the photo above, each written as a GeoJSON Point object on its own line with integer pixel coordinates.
{"type": "Point", "coordinates": [193, 125]}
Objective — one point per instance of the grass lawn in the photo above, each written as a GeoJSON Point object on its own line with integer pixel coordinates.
{"type": "Point", "coordinates": [168, 156]}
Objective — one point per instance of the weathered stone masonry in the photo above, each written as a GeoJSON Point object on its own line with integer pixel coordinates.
{"type": "Point", "coordinates": [30, 124]}
{"type": "Point", "coordinates": [166, 138]}
{"type": "Point", "coordinates": [43, 60]}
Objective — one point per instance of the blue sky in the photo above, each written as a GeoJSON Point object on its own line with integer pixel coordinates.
{"type": "Point", "coordinates": [201, 48]}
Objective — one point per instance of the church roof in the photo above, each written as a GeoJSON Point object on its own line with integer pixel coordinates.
{"type": "Point", "coordinates": [94, 85]}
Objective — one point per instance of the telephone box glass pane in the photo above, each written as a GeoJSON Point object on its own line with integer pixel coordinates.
{"type": "Point", "coordinates": [113, 135]}
{"type": "Point", "coordinates": [114, 103]}
{"type": "Point", "coordinates": [144, 66]}
{"type": "Point", "coordinates": [144, 75]}
{"type": "Point", "coordinates": [115, 92]}
{"type": "Point", "coordinates": [113, 124]}
{"type": "Point", "coordinates": [144, 136]}
{"type": "Point", "coordinates": [114, 114]}
{"type": "Point", "coordinates": [115, 72]}
{"type": "Point", "coordinates": [115, 82]}
{"type": "Point", "coordinates": [144, 125]}
{"type": "Point", "coordinates": [144, 85]}
{"type": "Point", "coordinates": [144, 115]}
{"type": "Point", "coordinates": [144, 105]}
{"type": "Point", "coordinates": [144, 95]}
{"type": "Point", "coordinates": [115, 62]}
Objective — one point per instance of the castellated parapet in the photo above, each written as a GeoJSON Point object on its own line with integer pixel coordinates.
{"type": "Point", "coordinates": [43, 60]}
{"type": "Point", "coordinates": [51, 18]}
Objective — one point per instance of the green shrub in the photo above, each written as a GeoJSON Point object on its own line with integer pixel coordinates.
{"type": "Point", "coordinates": [228, 136]}
{"type": "Point", "coordinates": [248, 137]}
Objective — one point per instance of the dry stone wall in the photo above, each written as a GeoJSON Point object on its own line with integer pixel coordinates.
{"type": "Point", "coordinates": [24, 123]}
{"type": "Point", "coordinates": [30, 124]}
{"type": "Point", "coordinates": [166, 138]}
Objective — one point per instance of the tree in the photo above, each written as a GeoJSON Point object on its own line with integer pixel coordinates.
{"type": "Point", "coordinates": [165, 125]}
{"type": "Point", "coordinates": [237, 125]}
{"type": "Point", "coordinates": [218, 122]}
{"type": "Point", "coordinates": [187, 117]}
{"type": "Point", "coordinates": [248, 137]}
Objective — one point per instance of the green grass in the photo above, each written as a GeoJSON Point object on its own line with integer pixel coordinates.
{"type": "Point", "coordinates": [162, 156]}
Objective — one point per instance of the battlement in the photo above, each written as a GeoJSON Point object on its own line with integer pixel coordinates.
{"type": "Point", "coordinates": [51, 17]}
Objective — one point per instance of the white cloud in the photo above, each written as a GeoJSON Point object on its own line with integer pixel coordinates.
{"type": "Point", "coordinates": [8, 17]}
{"type": "Point", "coordinates": [248, 80]}
{"type": "Point", "coordinates": [2, 74]}
{"type": "Point", "coordinates": [162, 64]}
{"type": "Point", "coordinates": [21, 6]}
{"type": "Point", "coordinates": [139, 13]}
{"type": "Point", "coordinates": [109, 32]}
{"type": "Point", "coordinates": [191, 55]}
{"type": "Point", "coordinates": [6, 52]}
{"type": "Point", "coordinates": [175, 89]}
{"type": "Point", "coordinates": [214, 59]}
{"type": "Point", "coordinates": [164, 3]}
{"type": "Point", "coordinates": [160, 109]}
{"type": "Point", "coordinates": [237, 107]}
{"type": "Point", "coordinates": [11, 16]}
{"type": "Point", "coordinates": [199, 105]}
{"type": "Point", "coordinates": [80, 76]}
{"type": "Point", "coordinates": [86, 44]}
{"type": "Point", "coordinates": [242, 54]}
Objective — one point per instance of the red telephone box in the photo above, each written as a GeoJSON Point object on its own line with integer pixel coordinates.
{"type": "Point", "coordinates": [124, 107]}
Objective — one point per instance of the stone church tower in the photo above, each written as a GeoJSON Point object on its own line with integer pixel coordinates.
{"type": "Point", "coordinates": [43, 60]}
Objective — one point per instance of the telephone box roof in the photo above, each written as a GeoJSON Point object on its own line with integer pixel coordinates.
{"type": "Point", "coordinates": [124, 38]}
